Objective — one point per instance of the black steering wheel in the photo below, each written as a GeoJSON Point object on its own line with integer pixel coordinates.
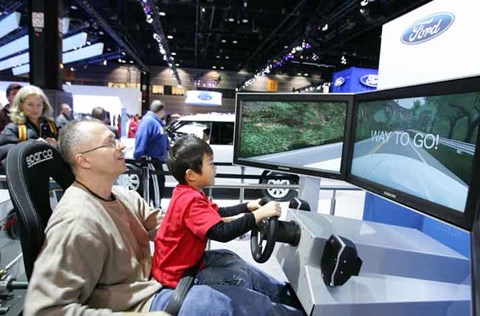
{"type": "Point", "coordinates": [265, 231]}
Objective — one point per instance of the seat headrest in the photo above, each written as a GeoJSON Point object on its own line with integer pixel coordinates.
{"type": "Point", "coordinates": [40, 160]}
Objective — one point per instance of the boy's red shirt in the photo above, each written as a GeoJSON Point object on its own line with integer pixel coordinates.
{"type": "Point", "coordinates": [181, 240]}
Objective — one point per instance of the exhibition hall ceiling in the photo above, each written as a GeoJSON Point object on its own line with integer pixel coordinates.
{"type": "Point", "coordinates": [291, 36]}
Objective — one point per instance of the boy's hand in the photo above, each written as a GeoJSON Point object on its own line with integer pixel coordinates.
{"type": "Point", "coordinates": [268, 210]}
{"type": "Point", "coordinates": [253, 205]}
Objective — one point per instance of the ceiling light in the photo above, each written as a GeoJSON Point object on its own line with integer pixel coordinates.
{"type": "Point", "coordinates": [170, 36]}
{"type": "Point", "coordinates": [178, 65]}
{"type": "Point", "coordinates": [222, 67]}
{"type": "Point", "coordinates": [203, 10]}
{"type": "Point", "coordinates": [73, 7]}
{"type": "Point", "coordinates": [224, 41]}
{"type": "Point", "coordinates": [227, 57]}
{"type": "Point", "coordinates": [218, 56]}
{"type": "Point", "coordinates": [161, 13]}
{"type": "Point", "coordinates": [9, 23]}
{"type": "Point", "coordinates": [214, 67]}
{"type": "Point", "coordinates": [231, 20]}
{"type": "Point", "coordinates": [299, 74]}
{"type": "Point", "coordinates": [245, 20]}
{"type": "Point", "coordinates": [363, 3]}
{"type": "Point", "coordinates": [234, 42]}
{"type": "Point", "coordinates": [325, 27]}
{"type": "Point", "coordinates": [149, 19]}
{"type": "Point", "coordinates": [105, 62]}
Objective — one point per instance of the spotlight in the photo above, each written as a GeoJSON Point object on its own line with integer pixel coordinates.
{"type": "Point", "coordinates": [325, 27]}
{"type": "Point", "coordinates": [149, 19]}
{"type": "Point", "coordinates": [364, 3]}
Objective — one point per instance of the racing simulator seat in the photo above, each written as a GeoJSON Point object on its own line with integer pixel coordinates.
{"type": "Point", "coordinates": [29, 168]}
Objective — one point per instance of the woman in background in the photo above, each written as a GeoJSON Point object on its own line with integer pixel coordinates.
{"type": "Point", "coordinates": [30, 114]}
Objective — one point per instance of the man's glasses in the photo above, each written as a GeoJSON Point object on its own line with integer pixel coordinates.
{"type": "Point", "coordinates": [114, 143]}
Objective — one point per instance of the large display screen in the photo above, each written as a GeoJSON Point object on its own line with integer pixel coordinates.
{"type": "Point", "coordinates": [295, 133]}
{"type": "Point", "coordinates": [418, 146]}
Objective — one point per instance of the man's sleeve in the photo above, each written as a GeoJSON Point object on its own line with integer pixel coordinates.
{"type": "Point", "coordinates": [65, 273]}
{"type": "Point", "coordinates": [141, 140]}
{"type": "Point", "coordinates": [151, 218]}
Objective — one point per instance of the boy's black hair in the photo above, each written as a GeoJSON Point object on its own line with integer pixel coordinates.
{"type": "Point", "coordinates": [187, 153]}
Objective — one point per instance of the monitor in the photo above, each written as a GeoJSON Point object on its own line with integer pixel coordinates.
{"type": "Point", "coordinates": [417, 146]}
{"type": "Point", "coordinates": [295, 133]}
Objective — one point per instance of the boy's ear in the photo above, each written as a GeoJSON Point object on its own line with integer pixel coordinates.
{"type": "Point", "coordinates": [190, 175]}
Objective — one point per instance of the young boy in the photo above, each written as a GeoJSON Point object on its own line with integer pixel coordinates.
{"type": "Point", "coordinates": [192, 219]}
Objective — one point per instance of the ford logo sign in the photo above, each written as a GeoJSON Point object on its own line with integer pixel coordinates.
{"type": "Point", "coordinates": [339, 81]}
{"type": "Point", "coordinates": [204, 96]}
{"type": "Point", "coordinates": [369, 80]}
{"type": "Point", "coordinates": [427, 28]}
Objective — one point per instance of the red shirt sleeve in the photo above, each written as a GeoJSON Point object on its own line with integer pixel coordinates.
{"type": "Point", "coordinates": [202, 216]}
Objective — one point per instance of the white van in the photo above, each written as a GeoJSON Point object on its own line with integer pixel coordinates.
{"type": "Point", "coordinates": [220, 137]}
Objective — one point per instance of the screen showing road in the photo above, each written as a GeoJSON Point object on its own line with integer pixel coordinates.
{"type": "Point", "coordinates": [305, 135]}
{"type": "Point", "coordinates": [422, 146]}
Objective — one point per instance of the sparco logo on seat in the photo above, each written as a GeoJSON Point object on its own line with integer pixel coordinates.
{"type": "Point", "coordinates": [427, 28]}
{"type": "Point", "coordinates": [39, 157]}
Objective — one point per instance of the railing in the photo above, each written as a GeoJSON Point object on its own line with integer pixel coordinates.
{"type": "Point", "coordinates": [251, 186]}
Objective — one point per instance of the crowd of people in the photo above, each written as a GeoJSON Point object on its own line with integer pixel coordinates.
{"type": "Point", "coordinates": [114, 225]}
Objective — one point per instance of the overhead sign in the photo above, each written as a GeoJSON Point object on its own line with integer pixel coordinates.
{"type": "Point", "coordinates": [433, 43]}
{"type": "Point", "coordinates": [206, 98]}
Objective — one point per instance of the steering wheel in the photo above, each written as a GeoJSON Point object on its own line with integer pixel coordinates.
{"type": "Point", "coordinates": [265, 231]}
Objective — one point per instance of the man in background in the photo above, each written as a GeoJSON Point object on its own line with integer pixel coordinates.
{"type": "Point", "coordinates": [12, 90]}
{"type": "Point", "coordinates": [99, 113]}
{"type": "Point", "coordinates": [151, 141]}
{"type": "Point", "coordinates": [65, 115]}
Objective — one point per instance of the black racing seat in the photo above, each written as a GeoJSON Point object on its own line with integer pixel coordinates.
{"type": "Point", "coordinates": [29, 167]}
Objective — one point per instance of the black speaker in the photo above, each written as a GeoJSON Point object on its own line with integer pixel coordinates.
{"type": "Point", "coordinates": [339, 261]}
{"type": "Point", "coordinates": [299, 204]}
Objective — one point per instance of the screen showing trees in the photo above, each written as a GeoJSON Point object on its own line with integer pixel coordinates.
{"type": "Point", "coordinates": [300, 134]}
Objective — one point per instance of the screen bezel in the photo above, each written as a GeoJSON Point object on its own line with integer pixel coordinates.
{"type": "Point", "coordinates": [293, 97]}
{"type": "Point", "coordinates": [449, 215]}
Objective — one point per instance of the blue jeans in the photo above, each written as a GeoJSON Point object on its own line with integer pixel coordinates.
{"type": "Point", "coordinates": [223, 267]}
{"type": "Point", "coordinates": [224, 300]}
{"type": "Point", "coordinates": [230, 286]}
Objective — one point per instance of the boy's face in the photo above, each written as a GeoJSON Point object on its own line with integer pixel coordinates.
{"type": "Point", "coordinates": [209, 170]}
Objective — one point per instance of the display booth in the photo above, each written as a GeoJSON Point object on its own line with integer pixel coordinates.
{"type": "Point", "coordinates": [415, 146]}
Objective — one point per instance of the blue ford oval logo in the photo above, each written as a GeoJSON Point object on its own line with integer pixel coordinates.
{"type": "Point", "coordinates": [369, 80]}
{"type": "Point", "coordinates": [427, 28]}
{"type": "Point", "coordinates": [204, 96]}
{"type": "Point", "coordinates": [339, 81]}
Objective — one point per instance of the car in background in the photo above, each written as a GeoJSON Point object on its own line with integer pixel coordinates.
{"type": "Point", "coordinates": [217, 129]}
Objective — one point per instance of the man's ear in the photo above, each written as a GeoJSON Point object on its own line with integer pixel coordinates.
{"type": "Point", "coordinates": [82, 161]}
